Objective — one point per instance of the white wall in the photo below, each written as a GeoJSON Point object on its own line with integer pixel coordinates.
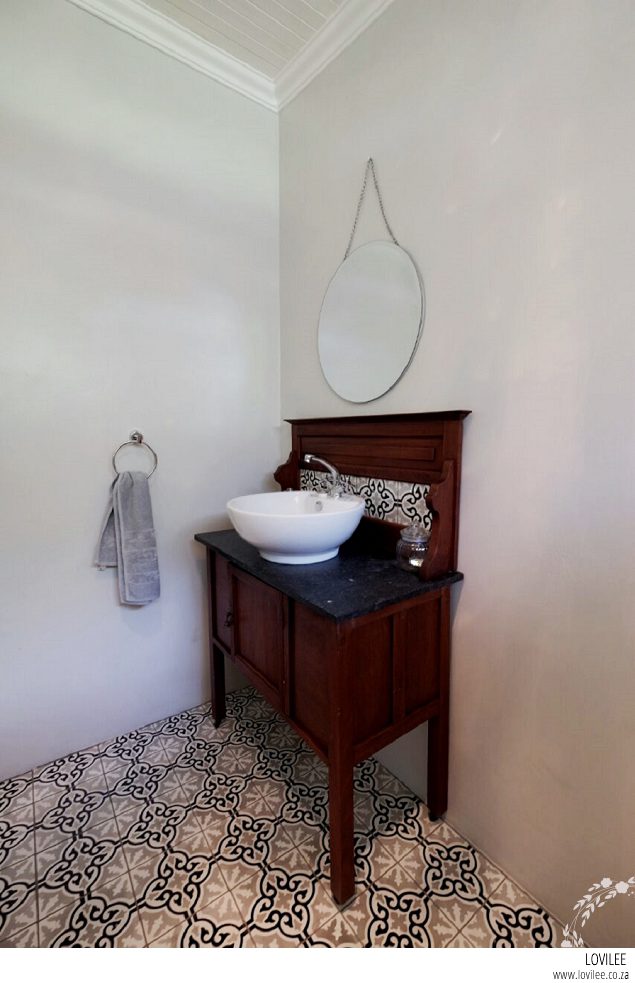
{"type": "Point", "coordinates": [503, 138]}
{"type": "Point", "coordinates": [139, 289]}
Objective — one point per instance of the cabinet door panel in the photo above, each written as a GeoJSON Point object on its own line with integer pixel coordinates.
{"type": "Point", "coordinates": [222, 599]}
{"type": "Point", "coordinates": [259, 639]}
{"type": "Point", "coordinates": [422, 640]}
{"type": "Point", "coordinates": [313, 638]}
{"type": "Point", "coordinates": [370, 650]}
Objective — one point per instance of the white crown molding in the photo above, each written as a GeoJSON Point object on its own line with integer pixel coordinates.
{"type": "Point", "coordinates": [336, 35]}
{"type": "Point", "coordinates": [150, 26]}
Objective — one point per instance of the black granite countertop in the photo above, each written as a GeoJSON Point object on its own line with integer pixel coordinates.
{"type": "Point", "coordinates": [347, 586]}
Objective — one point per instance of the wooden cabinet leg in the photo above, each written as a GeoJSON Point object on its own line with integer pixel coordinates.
{"type": "Point", "coordinates": [341, 826]}
{"type": "Point", "coordinates": [216, 655]}
{"type": "Point", "coordinates": [340, 760]}
{"type": "Point", "coordinates": [439, 726]}
{"type": "Point", "coordinates": [218, 685]}
{"type": "Point", "coordinates": [438, 746]}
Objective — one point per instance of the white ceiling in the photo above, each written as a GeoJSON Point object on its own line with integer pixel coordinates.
{"type": "Point", "coordinates": [265, 34]}
{"type": "Point", "coordinates": [266, 49]}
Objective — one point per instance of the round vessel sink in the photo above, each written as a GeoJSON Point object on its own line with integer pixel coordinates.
{"type": "Point", "coordinates": [295, 526]}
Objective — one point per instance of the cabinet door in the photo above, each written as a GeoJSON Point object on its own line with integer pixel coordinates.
{"type": "Point", "coordinates": [260, 644]}
{"type": "Point", "coordinates": [221, 600]}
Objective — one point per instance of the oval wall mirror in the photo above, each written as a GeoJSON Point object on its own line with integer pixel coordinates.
{"type": "Point", "coordinates": [371, 319]}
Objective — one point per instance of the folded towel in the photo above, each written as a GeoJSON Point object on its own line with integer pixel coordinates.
{"type": "Point", "coordinates": [127, 540]}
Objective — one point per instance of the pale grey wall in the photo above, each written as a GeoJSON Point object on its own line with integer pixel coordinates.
{"type": "Point", "coordinates": [139, 288]}
{"type": "Point", "coordinates": [503, 138]}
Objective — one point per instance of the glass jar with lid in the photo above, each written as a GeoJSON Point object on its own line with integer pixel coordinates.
{"type": "Point", "coordinates": [413, 546]}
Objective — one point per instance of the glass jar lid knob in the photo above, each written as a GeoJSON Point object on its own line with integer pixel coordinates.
{"type": "Point", "coordinates": [416, 532]}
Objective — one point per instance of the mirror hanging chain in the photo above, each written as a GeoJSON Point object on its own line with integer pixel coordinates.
{"type": "Point", "coordinates": [370, 166]}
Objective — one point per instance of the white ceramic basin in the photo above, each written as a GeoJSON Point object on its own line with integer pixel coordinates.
{"type": "Point", "coordinates": [295, 526]}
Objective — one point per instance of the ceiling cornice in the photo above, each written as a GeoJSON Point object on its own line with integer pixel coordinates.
{"type": "Point", "coordinates": [161, 32]}
{"type": "Point", "coordinates": [339, 31]}
{"type": "Point", "coordinates": [148, 25]}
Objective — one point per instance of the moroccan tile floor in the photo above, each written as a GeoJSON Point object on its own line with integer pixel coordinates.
{"type": "Point", "coordinates": [181, 834]}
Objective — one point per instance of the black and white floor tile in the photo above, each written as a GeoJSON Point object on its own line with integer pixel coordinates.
{"type": "Point", "coordinates": [182, 834]}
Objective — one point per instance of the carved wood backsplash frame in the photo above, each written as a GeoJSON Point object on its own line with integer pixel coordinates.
{"type": "Point", "coordinates": [423, 448]}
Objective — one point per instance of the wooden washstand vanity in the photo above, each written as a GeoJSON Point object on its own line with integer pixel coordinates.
{"type": "Point", "coordinates": [353, 652]}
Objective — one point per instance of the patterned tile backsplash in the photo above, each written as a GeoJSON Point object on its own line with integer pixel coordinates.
{"type": "Point", "coordinates": [394, 501]}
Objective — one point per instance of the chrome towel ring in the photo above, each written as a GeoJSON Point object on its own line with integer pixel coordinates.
{"type": "Point", "coordinates": [135, 438]}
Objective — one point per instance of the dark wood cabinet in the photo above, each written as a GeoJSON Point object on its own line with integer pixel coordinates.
{"type": "Point", "coordinates": [260, 641]}
{"type": "Point", "coordinates": [349, 686]}
{"type": "Point", "coordinates": [353, 652]}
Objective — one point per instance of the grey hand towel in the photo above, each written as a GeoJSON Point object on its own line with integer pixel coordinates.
{"type": "Point", "coordinates": [127, 540]}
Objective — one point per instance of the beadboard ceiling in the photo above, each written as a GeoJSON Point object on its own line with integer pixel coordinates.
{"type": "Point", "coordinates": [265, 34]}
{"type": "Point", "coordinates": [266, 49]}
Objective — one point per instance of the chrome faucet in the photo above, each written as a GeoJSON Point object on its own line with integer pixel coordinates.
{"type": "Point", "coordinates": [336, 487]}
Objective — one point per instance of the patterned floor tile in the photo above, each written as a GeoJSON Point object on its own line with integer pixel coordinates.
{"type": "Point", "coordinates": [142, 781]}
{"type": "Point", "coordinates": [385, 917]}
{"type": "Point", "coordinates": [273, 939]}
{"type": "Point", "coordinates": [457, 909]}
{"type": "Point", "coordinates": [381, 775]}
{"type": "Point", "coordinates": [247, 839]}
{"type": "Point", "coordinates": [161, 921]}
{"type": "Point", "coordinates": [195, 767]}
{"type": "Point", "coordinates": [247, 893]}
{"type": "Point", "coordinates": [236, 759]}
{"type": "Point", "coordinates": [10, 787]}
{"type": "Point", "coordinates": [181, 834]}
{"type": "Point", "coordinates": [16, 800]}
{"type": "Point", "coordinates": [511, 919]}
{"type": "Point", "coordinates": [171, 939]}
{"type": "Point", "coordinates": [460, 941]}
{"type": "Point", "coordinates": [212, 887]}
{"type": "Point", "coordinates": [207, 731]}
{"type": "Point", "coordinates": [17, 843]}
{"type": "Point", "coordinates": [218, 924]}
{"type": "Point", "coordinates": [289, 836]}
{"type": "Point", "coordinates": [83, 859]}
{"type": "Point", "coordinates": [441, 930]}
{"type": "Point", "coordinates": [396, 912]}
{"type": "Point", "coordinates": [362, 847]}
{"type": "Point", "coordinates": [105, 919]}
{"type": "Point", "coordinates": [175, 744]}
{"type": "Point", "coordinates": [154, 827]}
{"type": "Point", "coordinates": [27, 939]}
{"type": "Point", "coordinates": [387, 850]}
{"type": "Point", "coordinates": [164, 896]}
{"type": "Point", "coordinates": [73, 810]}
{"type": "Point", "coordinates": [172, 888]}
{"type": "Point", "coordinates": [310, 770]}
{"type": "Point", "coordinates": [25, 870]}
{"type": "Point", "coordinates": [313, 846]}
{"type": "Point", "coordinates": [457, 878]}
{"type": "Point", "coordinates": [291, 904]}
{"type": "Point", "coordinates": [47, 839]}
{"type": "Point", "coordinates": [236, 872]}
{"type": "Point", "coordinates": [18, 905]}
{"type": "Point", "coordinates": [193, 780]}
{"type": "Point", "coordinates": [84, 867]}
{"type": "Point", "coordinates": [335, 933]}
{"type": "Point", "coordinates": [213, 825]}
{"type": "Point", "coordinates": [273, 792]}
